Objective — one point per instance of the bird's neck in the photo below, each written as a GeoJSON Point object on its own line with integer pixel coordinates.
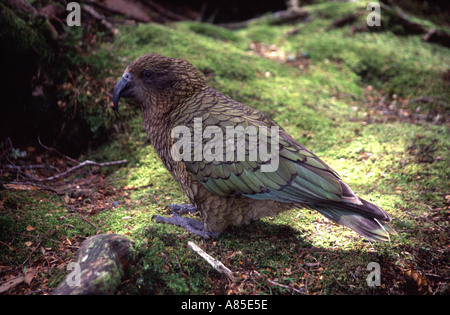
{"type": "Point", "coordinates": [158, 127]}
{"type": "Point", "coordinates": [159, 121]}
{"type": "Point", "coordinates": [158, 133]}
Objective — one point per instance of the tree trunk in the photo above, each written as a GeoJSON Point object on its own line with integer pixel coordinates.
{"type": "Point", "coordinates": [102, 261]}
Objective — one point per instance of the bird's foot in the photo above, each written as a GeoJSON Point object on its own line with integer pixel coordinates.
{"type": "Point", "coordinates": [191, 225]}
{"type": "Point", "coordinates": [182, 209]}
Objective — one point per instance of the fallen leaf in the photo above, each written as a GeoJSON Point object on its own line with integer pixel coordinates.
{"type": "Point", "coordinates": [30, 228]}
{"type": "Point", "coordinates": [28, 243]}
{"type": "Point", "coordinates": [30, 273]}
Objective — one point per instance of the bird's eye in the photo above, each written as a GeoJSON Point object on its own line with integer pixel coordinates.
{"type": "Point", "coordinates": [147, 74]}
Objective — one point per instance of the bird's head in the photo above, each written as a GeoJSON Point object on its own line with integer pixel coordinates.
{"type": "Point", "coordinates": [158, 83]}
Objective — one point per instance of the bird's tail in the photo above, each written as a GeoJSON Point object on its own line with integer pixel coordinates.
{"type": "Point", "coordinates": [366, 218]}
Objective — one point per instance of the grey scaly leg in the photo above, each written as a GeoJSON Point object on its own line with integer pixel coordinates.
{"type": "Point", "coordinates": [191, 225]}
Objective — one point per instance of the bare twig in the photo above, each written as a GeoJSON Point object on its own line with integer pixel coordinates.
{"type": "Point", "coordinates": [163, 11]}
{"type": "Point", "coordinates": [25, 183]}
{"type": "Point", "coordinates": [347, 19]}
{"type": "Point", "coordinates": [212, 261]}
{"type": "Point", "coordinates": [83, 217]}
{"type": "Point", "coordinates": [29, 167]}
{"type": "Point", "coordinates": [425, 218]}
{"type": "Point", "coordinates": [276, 18]}
{"type": "Point", "coordinates": [101, 18]}
{"type": "Point", "coordinates": [56, 151]}
{"type": "Point", "coordinates": [89, 222]}
{"type": "Point", "coordinates": [278, 284]}
{"type": "Point", "coordinates": [34, 249]}
{"type": "Point", "coordinates": [156, 200]}
{"type": "Point", "coordinates": [25, 179]}
{"type": "Point", "coordinates": [83, 164]}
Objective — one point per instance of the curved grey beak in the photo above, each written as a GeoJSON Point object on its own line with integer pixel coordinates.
{"type": "Point", "coordinates": [123, 88]}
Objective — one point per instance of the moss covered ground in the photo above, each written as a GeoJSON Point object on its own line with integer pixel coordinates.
{"type": "Point", "coordinates": [371, 104]}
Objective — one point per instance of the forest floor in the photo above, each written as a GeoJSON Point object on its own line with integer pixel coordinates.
{"type": "Point", "coordinates": [372, 104]}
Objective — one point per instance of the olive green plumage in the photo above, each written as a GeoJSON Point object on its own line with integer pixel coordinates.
{"type": "Point", "coordinates": [227, 192]}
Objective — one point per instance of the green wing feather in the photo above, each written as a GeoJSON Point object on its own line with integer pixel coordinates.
{"type": "Point", "coordinates": [301, 176]}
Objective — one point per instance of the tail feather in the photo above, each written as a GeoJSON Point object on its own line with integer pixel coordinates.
{"type": "Point", "coordinates": [370, 228]}
{"type": "Point", "coordinates": [366, 218]}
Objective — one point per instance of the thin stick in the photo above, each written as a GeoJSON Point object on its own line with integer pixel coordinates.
{"type": "Point", "coordinates": [89, 222]}
{"type": "Point", "coordinates": [19, 168]}
{"type": "Point", "coordinates": [83, 164]}
{"type": "Point", "coordinates": [212, 261]}
{"type": "Point", "coordinates": [56, 151]}
{"type": "Point", "coordinates": [34, 249]}
{"type": "Point", "coordinates": [101, 18]}
{"type": "Point", "coordinates": [278, 284]}
{"type": "Point", "coordinates": [25, 183]}
{"type": "Point", "coordinates": [164, 11]}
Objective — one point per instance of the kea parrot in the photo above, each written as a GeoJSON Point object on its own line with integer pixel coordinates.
{"type": "Point", "coordinates": [228, 182]}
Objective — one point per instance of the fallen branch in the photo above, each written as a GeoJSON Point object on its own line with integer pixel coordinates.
{"type": "Point", "coordinates": [409, 25]}
{"type": "Point", "coordinates": [131, 9]}
{"type": "Point", "coordinates": [101, 18]}
{"type": "Point", "coordinates": [347, 19]}
{"type": "Point", "coordinates": [439, 37]}
{"type": "Point", "coordinates": [276, 18]}
{"type": "Point", "coordinates": [217, 265]}
{"type": "Point", "coordinates": [24, 180]}
{"type": "Point", "coordinates": [396, 16]}
{"type": "Point", "coordinates": [102, 261]}
{"type": "Point", "coordinates": [288, 16]}
{"type": "Point", "coordinates": [163, 11]}
{"type": "Point", "coordinates": [72, 169]}
{"type": "Point", "coordinates": [29, 167]}
{"type": "Point", "coordinates": [8, 285]}
{"type": "Point", "coordinates": [15, 184]}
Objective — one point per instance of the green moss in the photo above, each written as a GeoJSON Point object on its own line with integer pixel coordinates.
{"type": "Point", "coordinates": [209, 30]}
{"type": "Point", "coordinates": [35, 217]}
